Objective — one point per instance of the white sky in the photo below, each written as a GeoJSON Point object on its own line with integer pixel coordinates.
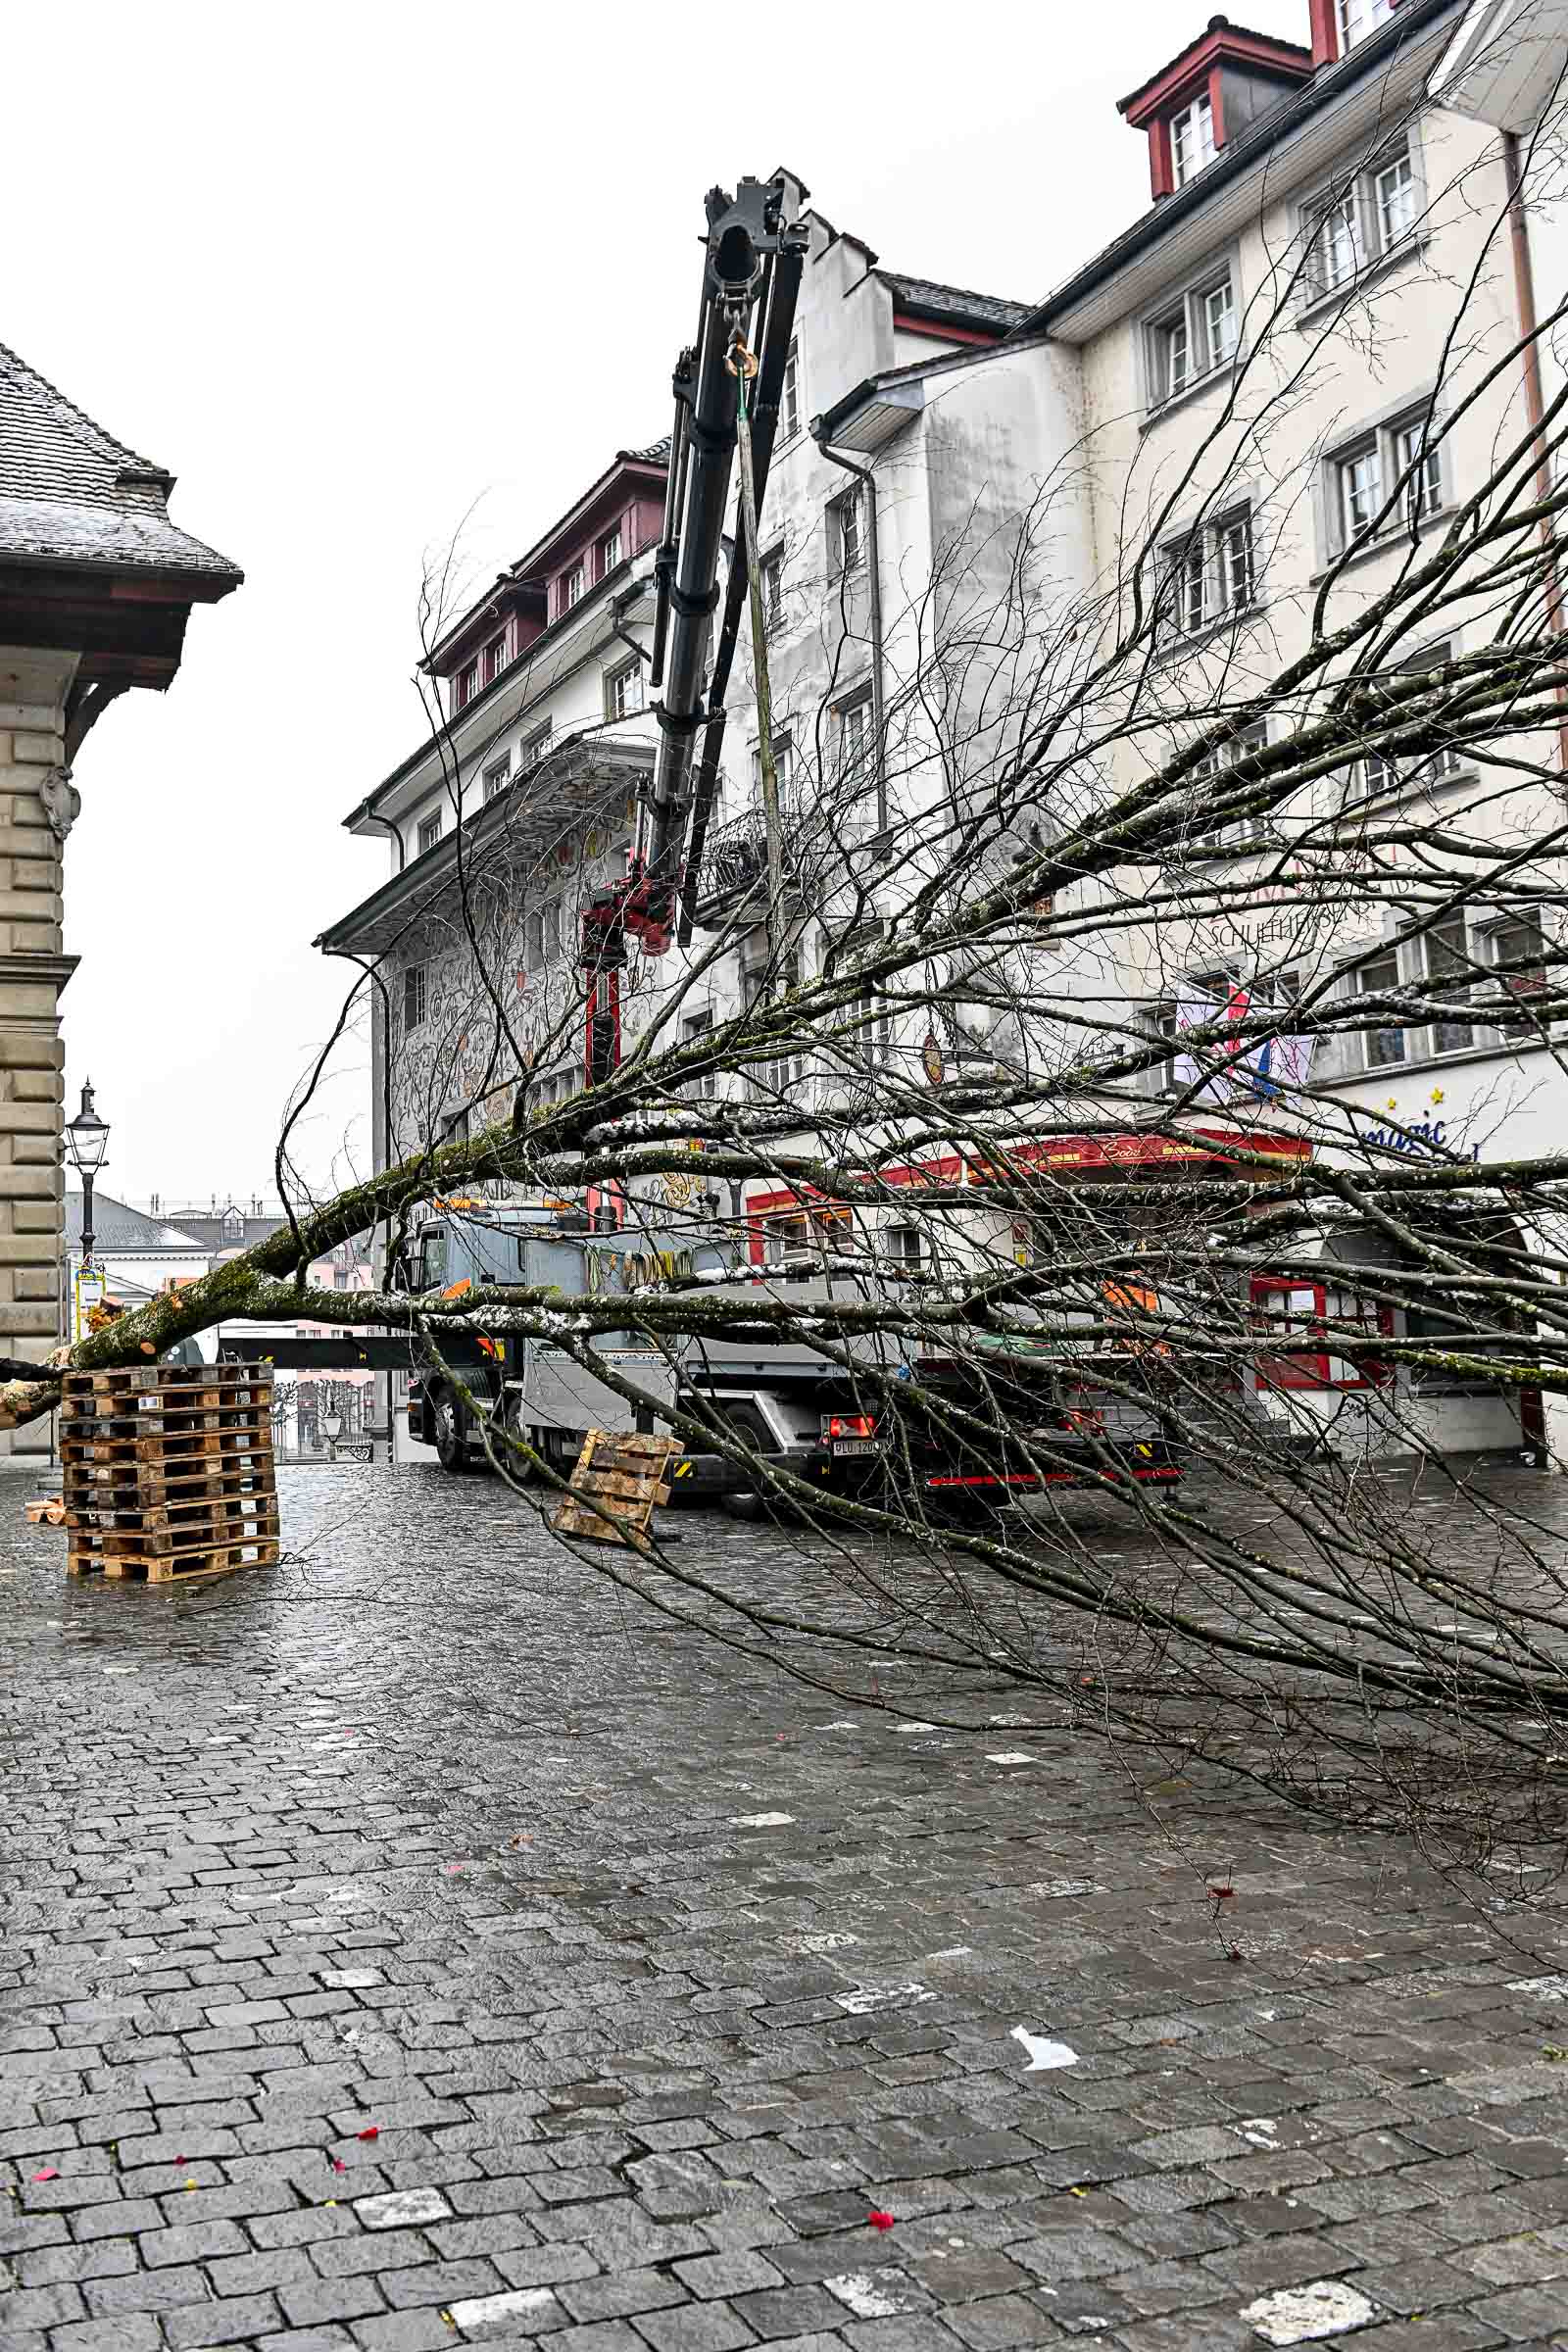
{"type": "Point", "coordinates": [347, 271]}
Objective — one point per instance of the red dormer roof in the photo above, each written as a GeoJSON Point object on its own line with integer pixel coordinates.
{"type": "Point", "coordinates": [1253, 68]}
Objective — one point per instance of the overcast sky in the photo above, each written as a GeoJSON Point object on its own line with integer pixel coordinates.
{"type": "Point", "coordinates": [347, 272]}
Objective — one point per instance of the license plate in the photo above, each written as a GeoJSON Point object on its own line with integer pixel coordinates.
{"type": "Point", "coordinates": [857, 1445]}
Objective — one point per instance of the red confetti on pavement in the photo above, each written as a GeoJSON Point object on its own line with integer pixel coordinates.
{"type": "Point", "coordinates": [370, 2131]}
{"type": "Point", "coordinates": [338, 2166]}
{"type": "Point", "coordinates": [880, 2220]}
{"type": "Point", "coordinates": [48, 2174]}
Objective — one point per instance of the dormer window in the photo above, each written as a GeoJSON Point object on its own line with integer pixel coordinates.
{"type": "Point", "coordinates": [608, 551]}
{"type": "Point", "coordinates": [495, 657]}
{"type": "Point", "coordinates": [1192, 140]}
{"type": "Point", "coordinates": [1357, 19]}
{"type": "Point", "coordinates": [1220, 87]}
{"type": "Point", "coordinates": [468, 684]}
{"type": "Point", "coordinates": [575, 587]}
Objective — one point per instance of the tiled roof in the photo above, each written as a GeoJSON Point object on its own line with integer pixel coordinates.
{"type": "Point", "coordinates": [656, 453]}
{"type": "Point", "coordinates": [958, 303]}
{"type": "Point", "coordinates": [116, 1225]}
{"type": "Point", "coordinates": [71, 493]}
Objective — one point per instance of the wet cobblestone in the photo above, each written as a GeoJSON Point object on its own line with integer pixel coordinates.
{"type": "Point", "coordinates": [426, 1942]}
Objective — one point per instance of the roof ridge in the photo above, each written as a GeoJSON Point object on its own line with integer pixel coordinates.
{"type": "Point", "coordinates": [941, 285]}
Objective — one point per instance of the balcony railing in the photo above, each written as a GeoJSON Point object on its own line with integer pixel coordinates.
{"type": "Point", "coordinates": [734, 864]}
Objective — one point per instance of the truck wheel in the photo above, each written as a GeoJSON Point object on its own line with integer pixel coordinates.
{"type": "Point", "coordinates": [451, 1430]}
{"type": "Point", "coordinates": [743, 1507]}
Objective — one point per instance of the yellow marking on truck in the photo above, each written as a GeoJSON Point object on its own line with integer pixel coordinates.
{"type": "Point", "coordinates": [683, 1469]}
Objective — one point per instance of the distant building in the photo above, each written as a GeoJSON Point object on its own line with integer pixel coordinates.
{"type": "Point", "coordinates": [96, 586]}
{"type": "Point", "coordinates": [137, 1255]}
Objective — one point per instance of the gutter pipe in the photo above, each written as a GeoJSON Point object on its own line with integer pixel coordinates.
{"type": "Point", "coordinates": [1524, 282]}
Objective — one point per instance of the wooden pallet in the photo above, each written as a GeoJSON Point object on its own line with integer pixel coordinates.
{"type": "Point", "coordinates": [169, 1472]}
{"type": "Point", "coordinates": [176, 1568]}
{"type": "Point", "coordinates": [162, 1383]}
{"type": "Point", "coordinates": [625, 1477]}
{"type": "Point", "coordinates": [160, 1518]}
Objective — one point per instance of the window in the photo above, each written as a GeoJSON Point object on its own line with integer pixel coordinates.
{"type": "Point", "coordinates": [789, 406]}
{"type": "Point", "coordinates": [429, 832]}
{"type": "Point", "coordinates": [772, 569]}
{"type": "Point", "coordinates": [761, 988]}
{"type": "Point", "coordinates": [1240, 832]}
{"type": "Point", "coordinates": [233, 1225]}
{"type": "Point", "coordinates": [1361, 492]}
{"type": "Point", "coordinates": [1419, 469]}
{"type": "Point", "coordinates": [495, 657]}
{"type": "Point", "coordinates": [456, 1125]}
{"type": "Point", "coordinates": [1393, 194]}
{"type": "Point", "coordinates": [1378, 977]}
{"type": "Point", "coordinates": [610, 551]}
{"type": "Point", "coordinates": [855, 741]}
{"type": "Point", "coordinates": [467, 683]}
{"type": "Point", "coordinates": [1441, 962]}
{"type": "Point", "coordinates": [535, 747]}
{"type": "Point", "coordinates": [1520, 940]}
{"type": "Point", "coordinates": [550, 930]}
{"type": "Point", "coordinates": [904, 1246]}
{"type": "Point", "coordinates": [623, 690]}
{"type": "Point", "coordinates": [1192, 140]}
{"type": "Point", "coordinates": [1382, 772]}
{"type": "Point", "coordinates": [1191, 339]}
{"type": "Point", "coordinates": [1358, 17]}
{"type": "Point", "coordinates": [494, 777]}
{"type": "Point", "coordinates": [1390, 479]}
{"type": "Point", "coordinates": [1207, 576]}
{"type": "Point", "coordinates": [783, 764]}
{"type": "Point", "coordinates": [432, 1267]}
{"type": "Point", "coordinates": [413, 998]}
{"type": "Point", "coordinates": [533, 954]}
{"type": "Point", "coordinates": [1349, 227]}
{"type": "Point", "coordinates": [574, 587]}
{"type": "Point", "coordinates": [693, 1030]}
{"type": "Point", "coordinates": [845, 539]}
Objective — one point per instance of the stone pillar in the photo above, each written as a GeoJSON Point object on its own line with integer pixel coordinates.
{"type": "Point", "coordinates": [36, 805]}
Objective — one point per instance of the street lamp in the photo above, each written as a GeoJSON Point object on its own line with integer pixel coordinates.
{"type": "Point", "coordinates": [86, 1140]}
{"type": "Point", "coordinates": [332, 1423]}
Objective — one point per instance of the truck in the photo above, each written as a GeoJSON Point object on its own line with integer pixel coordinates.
{"type": "Point", "coordinates": [984, 1421]}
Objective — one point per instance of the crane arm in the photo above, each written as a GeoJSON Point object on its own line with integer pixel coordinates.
{"type": "Point", "coordinates": [752, 268]}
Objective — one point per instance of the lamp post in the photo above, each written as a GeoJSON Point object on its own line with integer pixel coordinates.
{"type": "Point", "coordinates": [87, 1141]}
{"type": "Point", "coordinates": [333, 1424]}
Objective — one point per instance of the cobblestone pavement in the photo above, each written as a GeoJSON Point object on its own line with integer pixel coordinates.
{"type": "Point", "coordinates": [423, 1943]}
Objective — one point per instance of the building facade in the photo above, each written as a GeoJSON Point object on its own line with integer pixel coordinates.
{"type": "Point", "coordinates": [1252, 399]}
{"type": "Point", "coordinates": [96, 587]}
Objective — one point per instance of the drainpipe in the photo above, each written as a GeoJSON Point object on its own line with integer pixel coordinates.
{"type": "Point", "coordinates": [396, 832]}
{"type": "Point", "coordinates": [1524, 282]}
{"type": "Point", "coordinates": [868, 478]}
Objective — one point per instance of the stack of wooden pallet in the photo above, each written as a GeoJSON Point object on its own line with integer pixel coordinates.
{"type": "Point", "coordinates": [617, 1481]}
{"type": "Point", "coordinates": [169, 1471]}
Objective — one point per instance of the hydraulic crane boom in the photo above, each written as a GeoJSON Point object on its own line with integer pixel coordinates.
{"type": "Point", "coordinates": [751, 279]}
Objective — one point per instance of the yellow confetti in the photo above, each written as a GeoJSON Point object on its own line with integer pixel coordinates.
{"type": "Point", "coordinates": [1437, 1093]}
